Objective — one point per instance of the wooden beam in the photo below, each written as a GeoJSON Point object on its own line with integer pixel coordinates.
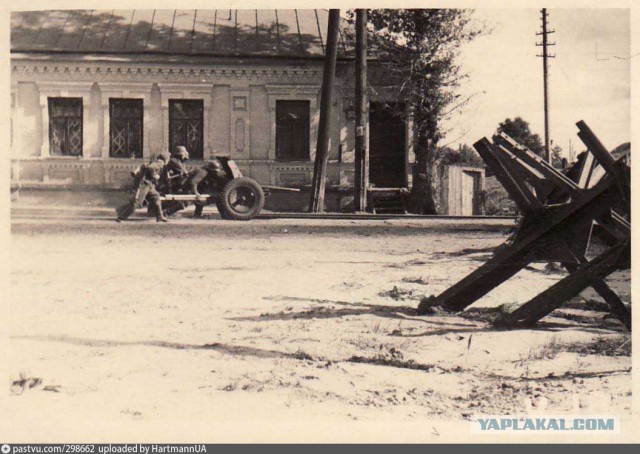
{"type": "Point", "coordinates": [518, 191]}
{"type": "Point", "coordinates": [512, 257]}
{"type": "Point", "coordinates": [586, 171]}
{"type": "Point", "coordinates": [546, 302]}
{"type": "Point", "coordinates": [557, 225]}
{"type": "Point", "coordinates": [502, 266]}
{"type": "Point", "coordinates": [606, 160]}
{"type": "Point", "coordinates": [527, 173]}
{"type": "Point", "coordinates": [615, 303]}
{"type": "Point", "coordinates": [537, 162]}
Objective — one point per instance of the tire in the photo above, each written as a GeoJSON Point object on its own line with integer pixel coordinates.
{"type": "Point", "coordinates": [241, 199]}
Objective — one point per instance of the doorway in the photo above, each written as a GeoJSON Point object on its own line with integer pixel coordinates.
{"type": "Point", "coordinates": [387, 144]}
{"type": "Point", "coordinates": [471, 187]}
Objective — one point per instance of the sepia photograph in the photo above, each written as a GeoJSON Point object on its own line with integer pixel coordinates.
{"type": "Point", "coordinates": [269, 223]}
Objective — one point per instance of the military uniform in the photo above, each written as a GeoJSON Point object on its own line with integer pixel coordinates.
{"type": "Point", "coordinates": [207, 179]}
{"type": "Point", "coordinates": [174, 178]}
{"type": "Point", "coordinates": [204, 180]}
{"type": "Point", "coordinates": [145, 188]}
{"type": "Point", "coordinates": [175, 174]}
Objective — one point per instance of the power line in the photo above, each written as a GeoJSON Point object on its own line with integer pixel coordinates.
{"type": "Point", "coordinates": [545, 44]}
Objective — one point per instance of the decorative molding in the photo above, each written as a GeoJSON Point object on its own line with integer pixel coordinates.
{"type": "Point", "coordinates": [116, 172]}
{"type": "Point", "coordinates": [169, 91]}
{"type": "Point", "coordinates": [31, 70]}
{"type": "Point", "coordinates": [62, 90]}
{"type": "Point", "coordinates": [309, 93]}
{"type": "Point", "coordinates": [298, 166]}
{"type": "Point", "coordinates": [127, 90]}
{"type": "Point", "coordinates": [240, 135]}
{"type": "Point", "coordinates": [185, 91]}
{"type": "Point", "coordinates": [240, 123]}
{"type": "Point", "coordinates": [292, 92]}
{"type": "Point", "coordinates": [240, 103]}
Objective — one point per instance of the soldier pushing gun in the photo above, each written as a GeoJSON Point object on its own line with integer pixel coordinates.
{"type": "Point", "coordinates": [200, 182]}
{"type": "Point", "coordinates": [209, 178]}
{"type": "Point", "coordinates": [173, 179]}
{"type": "Point", "coordinates": [175, 171]}
{"type": "Point", "coordinates": [166, 186]}
{"type": "Point", "coordinates": [145, 187]}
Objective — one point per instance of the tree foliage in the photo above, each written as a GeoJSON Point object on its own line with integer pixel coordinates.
{"type": "Point", "coordinates": [421, 47]}
{"type": "Point", "coordinates": [463, 155]}
{"type": "Point", "coordinates": [519, 130]}
{"type": "Point", "coordinates": [556, 157]}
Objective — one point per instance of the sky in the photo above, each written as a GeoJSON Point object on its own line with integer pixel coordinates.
{"type": "Point", "coordinates": [506, 78]}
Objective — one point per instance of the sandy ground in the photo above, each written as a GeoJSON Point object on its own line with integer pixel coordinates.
{"type": "Point", "coordinates": [297, 320]}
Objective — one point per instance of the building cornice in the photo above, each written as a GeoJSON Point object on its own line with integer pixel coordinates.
{"type": "Point", "coordinates": [39, 70]}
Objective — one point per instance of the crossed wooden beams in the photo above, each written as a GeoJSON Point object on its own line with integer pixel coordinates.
{"type": "Point", "coordinates": [559, 214]}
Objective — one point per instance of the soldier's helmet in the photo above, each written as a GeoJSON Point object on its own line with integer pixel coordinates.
{"type": "Point", "coordinates": [162, 157]}
{"type": "Point", "coordinates": [181, 153]}
{"type": "Point", "coordinates": [214, 164]}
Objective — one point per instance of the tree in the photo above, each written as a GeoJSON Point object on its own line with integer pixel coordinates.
{"type": "Point", "coordinates": [420, 47]}
{"type": "Point", "coordinates": [464, 155]}
{"type": "Point", "coordinates": [556, 157]}
{"type": "Point", "coordinates": [519, 130]}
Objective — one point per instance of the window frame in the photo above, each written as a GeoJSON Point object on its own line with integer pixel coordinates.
{"type": "Point", "coordinates": [51, 100]}
{"type": "Point", "coordinates": [201, 119]}
{"type": "Point", "coordinates": [307, 130]}
{"type": "Point", "coordinates": [112, 101]}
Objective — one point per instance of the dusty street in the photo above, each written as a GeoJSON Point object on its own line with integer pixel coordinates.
{"type": "Point", "coordinates": [286, 320]}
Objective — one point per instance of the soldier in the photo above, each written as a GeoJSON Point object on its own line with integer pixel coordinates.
{"type": "Point", "coordinates": [176, 172]}
{"type": "Point", "coordinates": [174, 177]}
{"type": "Point", "coordinates": [205, 180]}
{"type": "Point", "coordinates": [145, 184]}
{"type": "Point", "coordinates": [209, 178]}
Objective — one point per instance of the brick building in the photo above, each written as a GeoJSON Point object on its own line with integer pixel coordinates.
{"type": "Point", "coordinates": [94, 93]}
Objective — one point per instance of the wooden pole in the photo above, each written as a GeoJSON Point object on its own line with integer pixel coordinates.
{"type": "Point", "coordinates": [545, 68]}
{"type": "Point", "coordinates": [552, 298]}
{"type": "Point", "coordinates": [316, 204]}
{"type": "Point", "coordinates": [362, 113]}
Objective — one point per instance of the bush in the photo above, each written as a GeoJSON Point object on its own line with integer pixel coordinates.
{"type": "Point", "coordinates": [497, 199]}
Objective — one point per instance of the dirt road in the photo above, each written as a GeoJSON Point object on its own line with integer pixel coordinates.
{"type": "Point", "coordinates": [202, 322]}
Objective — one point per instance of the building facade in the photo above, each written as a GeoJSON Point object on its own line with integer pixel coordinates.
{"type": "Point", "coordinates": [95, 93]}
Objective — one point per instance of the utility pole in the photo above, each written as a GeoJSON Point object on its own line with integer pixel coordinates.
{"type": "Point", "coordinates": [545, 56]}
{"type": "Point", "coordinates": [316, 204]}
{"type": "Point", "coordinates": [362, 113]}
{"type": "Point", "coordinates": [570, 151]}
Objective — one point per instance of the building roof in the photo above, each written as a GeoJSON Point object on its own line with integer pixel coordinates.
{"type": "Point", "coordinates": [221, 32]}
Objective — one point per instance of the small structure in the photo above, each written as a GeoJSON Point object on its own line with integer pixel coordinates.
{"type": "Point", "coordinates": [462, 190]}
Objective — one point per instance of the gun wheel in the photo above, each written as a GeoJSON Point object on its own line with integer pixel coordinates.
{"type": "Point", "coordinates": [241, 199]}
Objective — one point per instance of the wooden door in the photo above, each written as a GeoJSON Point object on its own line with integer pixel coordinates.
{"type": "Point", "coordinates": [292, 130]}
{"type": "Point", "coordinates": [470, 193]}
{"type": "Point", "coordinates": [387, 145]}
